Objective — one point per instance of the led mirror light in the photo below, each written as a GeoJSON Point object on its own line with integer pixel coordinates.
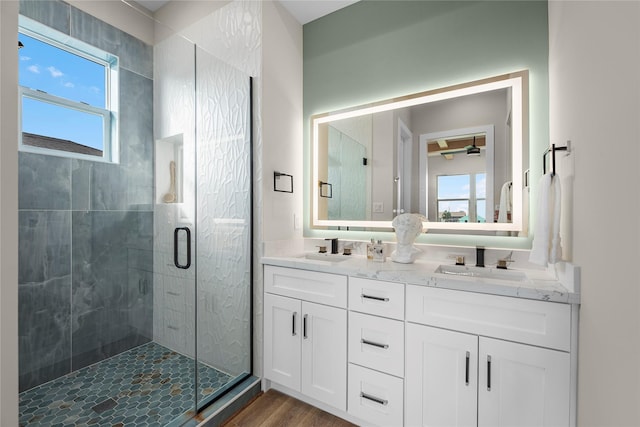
{"type": "Point", "coordinates": [516, 82]}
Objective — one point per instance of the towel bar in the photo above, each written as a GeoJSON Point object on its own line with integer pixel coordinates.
{"type": "Point", "coordinates": [553, 150]}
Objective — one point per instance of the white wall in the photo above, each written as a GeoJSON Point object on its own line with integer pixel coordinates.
{"type": "Point", "coordinates": [594, 76]}
{"type": "Point", "coordinates": [281, 121]}
{"type": "Point", "coordinates": [8, 214]}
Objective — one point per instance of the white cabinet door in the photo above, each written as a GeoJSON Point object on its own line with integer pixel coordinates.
{"type": "Point", "coordinates": [441, 380]}
{"type": "Point", "coordinates": [282, 335]}
{"type": "Point", "coordinates": [324, 354]}
{"type": "Point", "coordinates": [522, 385]}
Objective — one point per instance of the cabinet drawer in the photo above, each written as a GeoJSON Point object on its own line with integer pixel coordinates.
{"type": "Point", "coordinates": [541, 323]}
{"type": "Point", "coordinates": [377, 297]}
{"type": "Point", "coordinates": [375, 397]}
{"type": "Point", "coordinates": [323, 288]}
{"type": "Point", "coordinates": [377, 343]}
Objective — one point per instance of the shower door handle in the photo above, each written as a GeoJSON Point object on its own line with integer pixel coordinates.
{"type": "Point", "coordinates": [176, 261]}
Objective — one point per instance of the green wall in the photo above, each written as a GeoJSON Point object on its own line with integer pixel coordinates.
{"type": "Point", "coordinates": [374, 50]}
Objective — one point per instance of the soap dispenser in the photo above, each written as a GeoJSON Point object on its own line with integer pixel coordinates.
{"type": "Point", "coordinates": [378, 252]}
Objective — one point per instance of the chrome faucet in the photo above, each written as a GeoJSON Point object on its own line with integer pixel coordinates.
{"type": "Point", "coordinates": [334, 245]}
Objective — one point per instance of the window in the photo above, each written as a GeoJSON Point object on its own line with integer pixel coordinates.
{"type": "Point", "coordinates": [68, 95]}
{"type": "Point", "coordinates": [462, 198]}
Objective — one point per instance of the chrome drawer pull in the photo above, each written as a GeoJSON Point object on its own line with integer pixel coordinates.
{"type": "Point", "coordinates": [175, 294]}
{"type": "Point", "coordinates": [374, 399]}
{"type": "Point", "coordinates": [173, 328]}
{"type": "Point", "coordinates": [375, 344]}
{"type": "Point", "coordinates": [375, 298]}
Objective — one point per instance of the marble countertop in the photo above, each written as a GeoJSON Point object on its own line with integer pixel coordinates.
{"type": "Point", "coordinates": [537, 285]}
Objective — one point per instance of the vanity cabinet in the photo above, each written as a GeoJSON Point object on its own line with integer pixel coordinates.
{"type": "Point", "coordinates": [476, 375]}
{"type": "Point", "coordinates": [384, 353]}
{"type": "Point", "coordinates": [376, 351]}
{"type": "Point", "coordinates": [306, 341]}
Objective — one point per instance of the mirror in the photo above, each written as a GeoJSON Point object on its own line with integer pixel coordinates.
{"type": "Point", "coordinates": [455, 155]}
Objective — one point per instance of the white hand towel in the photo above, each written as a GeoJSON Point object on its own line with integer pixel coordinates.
{"type": "Point", "coordinates": [505, 202]}
{"type": "Point", "coordinates": [555, 253]}
{"type": "Point", "coordinates": [540, 248]}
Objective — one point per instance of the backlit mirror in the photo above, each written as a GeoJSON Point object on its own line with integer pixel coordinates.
{"type": "Point", "coordinates": [453, 154]}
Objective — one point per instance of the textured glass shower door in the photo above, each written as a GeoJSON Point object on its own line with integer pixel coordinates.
{"type": "Point", "coordinates": [224, 224]}
{"type": "Point", "coordinates": [202, 249]}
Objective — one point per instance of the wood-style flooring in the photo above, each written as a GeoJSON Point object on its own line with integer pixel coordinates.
{"type": "Point", "coordinates": [274, 409]}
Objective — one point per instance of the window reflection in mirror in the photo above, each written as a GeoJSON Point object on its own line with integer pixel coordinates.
{"type": "Point", "coordinates": [461, 198]}
{"type": "Point", "coordinates": [462, 155]}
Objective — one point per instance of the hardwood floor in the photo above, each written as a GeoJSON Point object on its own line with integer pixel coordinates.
{"type": "Point", "coordinates": [274, 409]}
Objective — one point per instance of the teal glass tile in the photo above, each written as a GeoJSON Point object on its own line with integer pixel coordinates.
{"type": "Point", "coordinates": [151, 385]}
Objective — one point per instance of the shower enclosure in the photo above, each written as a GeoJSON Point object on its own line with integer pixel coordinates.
{"type": "Point", "coordinates": [202, 247]}
{"type": "Point", "coordinates": [135, 277]}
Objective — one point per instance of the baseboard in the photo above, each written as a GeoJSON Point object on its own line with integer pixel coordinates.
{"type": "Point", "coordinates": [218, 413]}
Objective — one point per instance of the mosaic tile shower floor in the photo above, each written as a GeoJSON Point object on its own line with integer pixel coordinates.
{"type": "Point", "coordinates": [149, 385]}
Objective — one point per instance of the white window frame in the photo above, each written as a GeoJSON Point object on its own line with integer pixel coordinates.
{"type": "Point", "coordinates": [109, 114]}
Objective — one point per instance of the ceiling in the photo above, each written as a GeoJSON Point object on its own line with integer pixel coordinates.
{"type": "Point", "coordinates": [303, 10]}
{"type": "Point", "coordinates": [310, 10]}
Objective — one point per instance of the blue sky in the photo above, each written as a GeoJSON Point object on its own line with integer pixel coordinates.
{"type": "Point", "coordinates": [60, 73]}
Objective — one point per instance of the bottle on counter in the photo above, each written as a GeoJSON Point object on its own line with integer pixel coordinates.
{"type": "Point", "coordinates": [370, 249]}
{"type": "Point", "coordinates": [378, 252]}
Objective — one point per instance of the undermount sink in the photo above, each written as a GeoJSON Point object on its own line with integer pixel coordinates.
{"type": "Point", "coordinates": [481, 272]}
{"type": "Point", "coordinates": [326, 257]}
